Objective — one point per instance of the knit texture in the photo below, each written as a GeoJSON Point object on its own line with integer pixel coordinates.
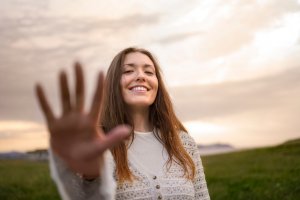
{"type": "Point", "coordinates": [169, 183]}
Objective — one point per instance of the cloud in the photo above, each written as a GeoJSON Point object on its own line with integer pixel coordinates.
{"type": "Point", "coordinates": [178, 37]}
{"type": "Point", "coordinates": [22, 135]}
{"type": "Point", "coordinates": [237, 26]}
{"type": "Point", "coordinates": [67, 30]}
{"type": "Point", "coordinates": [221, 100]}
{"type": "Point", "coordinates": [19, 129]}
{"type": "Point", "coordinates": [263, 108]}
{"type": "Point", "coordinates": [37, 48]}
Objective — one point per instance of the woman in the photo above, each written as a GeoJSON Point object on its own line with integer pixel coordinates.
{"type": "Point", "coordinates": [154, 159]}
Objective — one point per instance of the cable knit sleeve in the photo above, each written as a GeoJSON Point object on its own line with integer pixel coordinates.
{"type": "Point", "coordinates": [201, 190]}
{"type": "Point", "coordinates": [73, 187]}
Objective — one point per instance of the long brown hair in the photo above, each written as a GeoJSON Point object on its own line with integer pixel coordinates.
{"type": "Point", "coordinates": [161, 116]}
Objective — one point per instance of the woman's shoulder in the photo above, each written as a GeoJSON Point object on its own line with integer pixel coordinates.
{"type": "Point", "coordinates": [187, 140]}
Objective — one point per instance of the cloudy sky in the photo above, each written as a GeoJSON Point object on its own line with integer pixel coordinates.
{"type": "Point", "coordinates": [232, 67]}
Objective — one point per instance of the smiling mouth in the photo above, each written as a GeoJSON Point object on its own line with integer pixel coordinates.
{"type": "Point", "coordinates": [139, 89]}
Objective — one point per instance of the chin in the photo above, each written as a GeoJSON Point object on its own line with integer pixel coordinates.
{"type": "Point", "coordinates": [140, 104]}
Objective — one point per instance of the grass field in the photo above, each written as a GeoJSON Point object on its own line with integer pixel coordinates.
{"type": "Point", "coordinates": [266, 173]}
{"type": "Point", "coordinates": [20, 179]}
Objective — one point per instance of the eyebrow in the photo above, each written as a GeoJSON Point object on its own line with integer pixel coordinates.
{"type": "Point", "coordinates": [133, 65]}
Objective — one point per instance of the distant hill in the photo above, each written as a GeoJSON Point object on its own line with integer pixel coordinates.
{"type": "Point", "coordinates": [292, 142]}
{"type": "Point", "coordinates": [12, 155]}
{"type": "Point", "coordinates": [262, 173]}
{"type": "Point", "coordinates": [215, 148]}
{"type": "Point", "coordinates": [39, 154]}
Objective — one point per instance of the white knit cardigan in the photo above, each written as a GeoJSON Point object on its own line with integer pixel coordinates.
{"type": "Point", "coordinates": [170, 185]}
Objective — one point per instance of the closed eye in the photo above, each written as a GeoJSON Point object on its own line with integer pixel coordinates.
{"type": "Point", "coordinates": [127, 71]}
{"type": "Point", "coordinates": [149, 72]}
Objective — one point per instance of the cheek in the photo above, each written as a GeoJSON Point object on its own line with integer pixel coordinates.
{"type": "Point", "coordinates": [155, 86]}
{"type": "Point", "coordinates": [123, 82]}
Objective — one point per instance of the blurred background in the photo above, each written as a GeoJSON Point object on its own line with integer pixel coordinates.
{"type": "Point", "coordinates": [232, 67]}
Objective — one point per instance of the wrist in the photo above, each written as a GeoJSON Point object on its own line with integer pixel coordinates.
{"type": "Point", "coordinates": [87, 177]}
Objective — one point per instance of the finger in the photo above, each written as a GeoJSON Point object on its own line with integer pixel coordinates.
{"type": "Point", "coordinates": [64, 93]}
{"type": "Point", "coordinates": [79, 87]}
{"type": "Point", "coordinates": [43, 102]}
{"type": "Point", "coordinates": [96, 105]}
{"type": "Point", "coordinates": [113, 138]}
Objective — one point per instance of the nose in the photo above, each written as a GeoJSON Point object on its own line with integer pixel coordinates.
{"type": "Point", "coordinates": [140, 76]}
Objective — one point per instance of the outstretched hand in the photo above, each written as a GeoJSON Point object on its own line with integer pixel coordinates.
{"type": "Point", "coordinates": [75, 136]}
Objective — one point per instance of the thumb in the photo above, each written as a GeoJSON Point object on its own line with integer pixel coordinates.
{"type": "Point", "coordinates": [111, 139]}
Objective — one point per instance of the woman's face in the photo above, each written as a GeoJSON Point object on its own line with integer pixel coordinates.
{"type": "Point", "coordinates": [139, 83]}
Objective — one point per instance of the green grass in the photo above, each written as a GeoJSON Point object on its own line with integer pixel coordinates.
{"type": "Point", "coordinates": [265, 173]}
{"type": "Point", "coordinates": [30, 180]}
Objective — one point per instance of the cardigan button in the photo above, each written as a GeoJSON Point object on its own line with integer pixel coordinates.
{"type": "Point", "coordinates": [154, 177]}
{"type": "Point", "coordinates": [159, 197]}
{"type": "Point", "coordinates": [157, 186]}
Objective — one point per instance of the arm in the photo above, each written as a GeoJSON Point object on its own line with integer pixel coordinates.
{"type": "Point", "coordinates": [73, 187]}
{"type": "Point", "coordinates": [201, 191]}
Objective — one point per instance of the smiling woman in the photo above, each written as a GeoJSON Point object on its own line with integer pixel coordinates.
{"type": "Point", "coordinates": [139, 83]}
{"type": "Point", "coordinates": [154, 159]}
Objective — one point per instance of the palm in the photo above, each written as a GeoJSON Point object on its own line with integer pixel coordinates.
{"type": "Point", "coordinates": [75, 136]}
{"type": "Point", "coordinates": [72, 126]}
{"type": "Point", "coordinates": [71, 130]}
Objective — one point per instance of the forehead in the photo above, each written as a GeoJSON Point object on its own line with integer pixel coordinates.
{"type": "Point", "coordinates": [137, 58]}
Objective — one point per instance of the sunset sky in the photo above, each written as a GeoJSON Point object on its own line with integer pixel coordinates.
{"type": "Point", "coordinates": [232, 67]}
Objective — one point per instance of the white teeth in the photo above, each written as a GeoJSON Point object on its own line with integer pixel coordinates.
{"type": "Point", "coordinates": [139, 88]}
